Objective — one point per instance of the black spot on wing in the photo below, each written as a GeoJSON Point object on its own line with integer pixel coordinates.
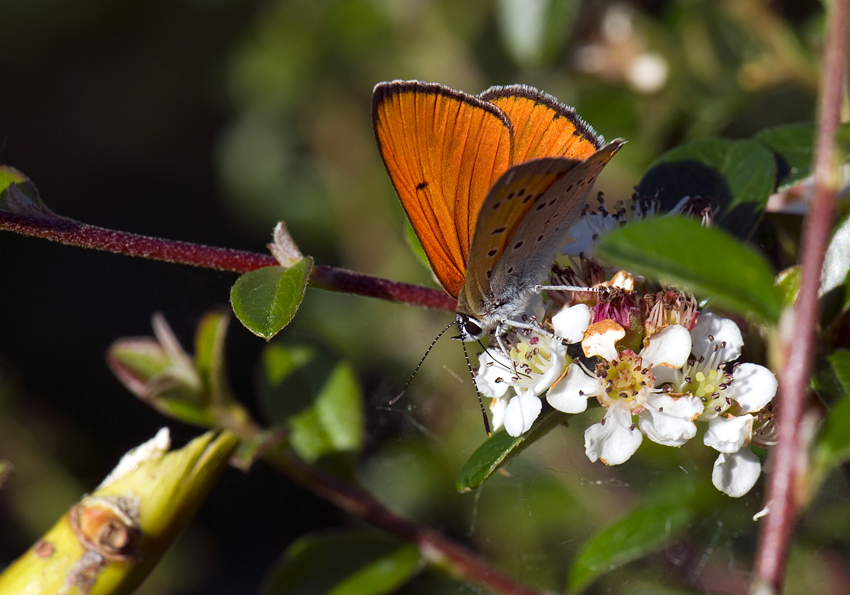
{"type": "Point", "coordinates": [518, 245]}
{"type": "Point", "coordinates": [497, 231]}
{"type": "Point", "coordinates": [422, 185]}
{"type": "Point", "coordinates": [492, 252]}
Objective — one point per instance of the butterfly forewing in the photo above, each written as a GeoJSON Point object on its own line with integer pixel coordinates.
{"type": "Point", "coordinates": [510, 201]}
{"type": "Point", "coordinates": [543, 229]}
{"type": "Point", "coordinates": [443, 150]}
{"type": "Point", "coordinates": [543, 127]}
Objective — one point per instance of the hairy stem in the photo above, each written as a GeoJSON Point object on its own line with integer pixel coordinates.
{"type": "Point", "coordinates": [797, 336]}
{"type": "Point", "coordinates": [74, 233]}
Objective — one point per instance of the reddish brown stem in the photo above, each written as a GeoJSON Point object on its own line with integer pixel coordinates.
{"type": "Point", "coordinates": [74, 233]}
{"type": "Point", "coordinates": [797, 341]}
{"type": "Point", "coordinates": [436, 547]}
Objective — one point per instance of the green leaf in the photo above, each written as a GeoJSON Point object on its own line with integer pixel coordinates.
{"type": "Point", "coordinates": [738, 174]}
{"type": "Point", "coordinates": [292, 377]}
{"type": "Point", "coordinates": [835, 277]}
{"type": "Point", "coordinates": [266, 300]}
{"type": "Point", "coordinates": [501, 447]}
{"type": "Point", "coordinates": [707, 262]}
{"type": "Point", "coordinates": [343, 564]}
{"type": "Point", "coordinates": [788, 285]}
{"type": "Point", "coordinates": [533, 31]}
{"type": "Point", "coordinates": [415, 244]}
{"type": "Point", "coordinates": [209, 353]}
{"type": "Point", "coordinates": [169, 385]}
{"type": "Point", "coordinates": [9, 176]}
{"type": "Point", "coordinates": [335, 423]}
{"type": "Point", "coordinates": [640, 532]}
{"type": "Point", "coordinates": [793, 147]}
{"type": "Point", "coordinates": [834, 446]}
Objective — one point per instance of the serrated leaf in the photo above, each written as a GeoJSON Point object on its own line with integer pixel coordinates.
{"type": "Point", "coordinates": [834, 445]}
{"type": "Point", "coordinates": [343, 564]}
{"type": "Point", "coordinates": [501, 447]}
{"type": "Point", "coordinates": [638, 533]}
{"type": "Point", "coordinates": [707, 262]}
{"type": "Point", "coordinates": [266, 300]}
{"type": "Point", "coordinates": [737, 174]}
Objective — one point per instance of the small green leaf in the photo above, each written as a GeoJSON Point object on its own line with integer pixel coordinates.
{"type": "Point", "coordinates": [209, 353]}
{"type": "Point", "coordinates": [835, 278]}
{"type": "Point", "coordinates": [415, 244]}
{"type": "Point", "coordinates": [340, 409]}
{"type": "Point", "coordinates": [343, 564]}
{"type": "Point", "coordinates": [291, 378]}
{"type": "Point", "coordinates": [834, 446]}
{"type": "Point", "coordinates": [788, 285]}
{"type": "Point", "coordinates": [737, 174]}
{"type": "Point", "coordinates": [266, 300]}
{"type": "Point", "coordinates": [640, 532]}
{"type": "Point", "coordinates": [335, 423]}
{"type": "Point", "coordinates": [793, 146]}
{"type": "Point", "coordinates": [533, 31]}
{"type": "Point", "coordinates": [708, 262]}
{"type": "Point", "coordinates": [9, 176]}
{"type": "Point", "coordinates": [501, 447]}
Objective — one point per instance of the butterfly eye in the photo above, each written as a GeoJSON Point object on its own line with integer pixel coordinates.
{"type": "Point", "coordinates": [472, 328]}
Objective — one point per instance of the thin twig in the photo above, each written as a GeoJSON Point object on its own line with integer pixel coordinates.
{"type": "Point", "coordinates": [75, 233]}
{"type": "Point", "coordinates": [435, 548]}
{"type": "Point", "coordinates": [797, 339]}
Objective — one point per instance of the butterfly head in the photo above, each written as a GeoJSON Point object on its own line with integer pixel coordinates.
{"type": "Point", "coordinates": [469, 328]}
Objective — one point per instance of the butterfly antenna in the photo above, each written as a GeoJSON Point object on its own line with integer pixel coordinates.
{"type": "Point", "coordinates": [477, 392]}
{"type": "Point", "coordinates": [412, 376]}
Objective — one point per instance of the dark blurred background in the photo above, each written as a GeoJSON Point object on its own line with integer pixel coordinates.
{"type": "Point", "coordinates": [210, 120]}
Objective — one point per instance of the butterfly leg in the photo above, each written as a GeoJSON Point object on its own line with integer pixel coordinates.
{"type": "Point", "coordinates": [539, 288]}
{"type": "Point", "coordinates": [500, 331]}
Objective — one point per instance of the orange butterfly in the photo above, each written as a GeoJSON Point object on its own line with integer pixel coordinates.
{"type": "Point", "coordinates": [491, 185]}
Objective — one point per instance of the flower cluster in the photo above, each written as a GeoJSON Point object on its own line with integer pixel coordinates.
{"type": "Point", "coordinates": [654, 362]}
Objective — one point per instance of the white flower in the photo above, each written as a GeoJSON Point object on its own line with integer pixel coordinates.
{"type": "Point", "coordinates": [624, 383]}
{"type": "Point", "coordinates": [735, 474]}
{"type": "Point", "coordinates": [536, 361]}
{"type": "Point", "coordinates": [732, 397]}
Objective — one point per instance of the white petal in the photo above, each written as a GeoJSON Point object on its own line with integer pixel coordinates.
{"type": "Point", "coordinates": [722, 329]}
{"type": "Point", "coordinates": [753, 386]}
{"type": "Point", "coordinates": [570, 323]}
{"type": "Point", "coordinates": [600, 339]}
{"type": "Point", "coordinates": [570, 394]}
{"type": "Point", "coordinates": [614, 440]}
{"type": "Point", "coordinates": [736, 474]}
{"type": "Point", "coordinates": [497, 410]}
{"type": "Point", "coordinates": [493, 368]}
{"type": "Point", "coordinates": [521, 412]}
{"type": "Point", "coordinates": [729, 434]}
{"type": "Point", "coordinates": [668, 421]}
{"type": "Point", "coordinates": [664, 375]}
{"type": "Point", "coordinates": [669, 347]}
{"type": "Point", "coordinates": [557, 353]}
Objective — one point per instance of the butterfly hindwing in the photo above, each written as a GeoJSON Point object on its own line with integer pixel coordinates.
{"type": "Point", "coordinates": [544, 227]}
{"type": "Point", "coordinates": [543, 127]}
{"type": "Point", "coordinates": [443, 150]}
{"type": "Point", "coordinates": [507, 205]}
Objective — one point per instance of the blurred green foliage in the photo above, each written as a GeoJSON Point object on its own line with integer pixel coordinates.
{"type": "Point", "coordinates": [268, 104]}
